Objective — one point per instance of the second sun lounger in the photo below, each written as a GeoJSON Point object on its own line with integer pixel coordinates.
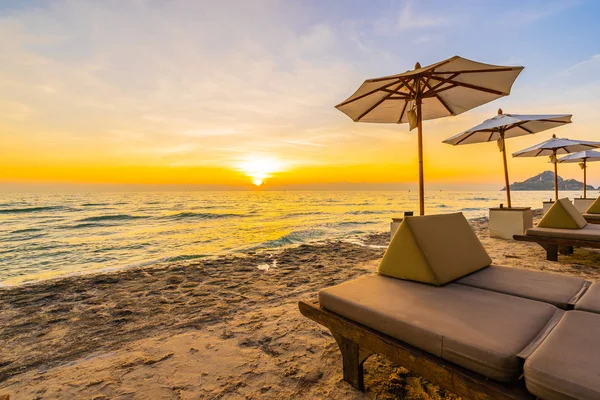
{"type": "Point", "coordinates": [561, 229]}
{"type": "Point", "coordinates": [562, 241]}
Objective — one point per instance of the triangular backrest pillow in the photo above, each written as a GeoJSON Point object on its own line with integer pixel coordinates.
{"type": "Point", "coordinates": [594, 208]}
{"type": "Point", "coordinates": [562, 215]}
{"type": "Point", "coordinates": [434, 249]}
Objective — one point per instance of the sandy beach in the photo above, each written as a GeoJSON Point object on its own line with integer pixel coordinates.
{"type": "Point", "coordinates": [221, 328]}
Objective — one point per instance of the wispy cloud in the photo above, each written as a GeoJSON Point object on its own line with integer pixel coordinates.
{"type": "Point", "coordinates": [537, 10]}
{"type": "Point", "coordinates": [409, 19]}
{"type": "Point", "coordinates": [586, 69]}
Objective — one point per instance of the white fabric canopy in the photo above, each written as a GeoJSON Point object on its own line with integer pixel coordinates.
{"type": "Point", "coordinates": [449, 87]}
{"type": "Point", "coordinates": [555, 146]}
{"type": "Point", "coordinates": [505, 126]}
{"type": "Point", "coordinates": [512, 125]}
{"type": "Point", "coordinates": [587, 155]}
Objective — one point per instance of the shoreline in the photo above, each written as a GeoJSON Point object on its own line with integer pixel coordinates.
{"type": "Point", "coordinates": [165, 261]}
{"type": "Point", "coordinates": [215, 328]}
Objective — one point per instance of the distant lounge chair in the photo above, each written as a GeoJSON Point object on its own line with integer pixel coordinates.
{"type": "Point", "coordinates": [438, 308]}
{"type": "Point", "coordinates": [561, 229]}
{"type": "Point", "coordinates": [592, 214]}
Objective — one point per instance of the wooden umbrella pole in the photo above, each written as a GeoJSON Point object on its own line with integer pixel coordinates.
{"type": "Point", "coordinates": [506, 180]}
{"type": "Point", "coordinates": [555, 178]}
{"type": "Point", "coordinates": [584, 180]}
{"type": "Point", "coordinates": [420, 141]}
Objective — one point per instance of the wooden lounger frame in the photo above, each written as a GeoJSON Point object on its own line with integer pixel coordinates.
{"type": "Point", "coordinates": [554, 245]}
{"type": "Point", "coordinates": [357, 343]}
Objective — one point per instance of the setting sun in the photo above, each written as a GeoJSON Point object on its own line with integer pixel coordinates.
{"type": "Point", "coordinates": [260, 168]}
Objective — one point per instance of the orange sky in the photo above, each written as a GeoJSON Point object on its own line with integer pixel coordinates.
{"type": "Point", "coordinates": [200, 95]}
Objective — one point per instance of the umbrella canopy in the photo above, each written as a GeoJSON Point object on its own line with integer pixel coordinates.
{"type": "Point", "coordinates": [554, 146]}
{"type": "Point", "coordinates": [506, 126]}
{"type": "Point", "coordinates": [586, 155]}
{"type": "Point", "coordinates": [582, 157]}
{"type": "Point", "coordinates": [449, 87]}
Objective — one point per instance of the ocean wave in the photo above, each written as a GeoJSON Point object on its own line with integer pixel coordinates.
{"type": "Point", "coordinates": [361, 212]}
{"type": "Point", "coordinates": [116, 217]}
{"type": "Point", "coordinates": [346, 223]}
{"type": "Point", "coordinates": [185, 257]}
{"type": "Point", "coordinates": [300, 214]}
{"type": "Point", "coordinates": [29, 209]}
{"type": "Point", "coordinates": [27, 230]}
{"type": "Point", "coordinates": [294, 237]}
{"type": "Point", "coordinates": [84, 225]}
{"type": "Point", "coordinates": [197, 215]}
{"type": "Point", "coordinates": [479, 198]}
{"type": "Point", "coordinates": [472, 209]}
{"type": "Point", "coordinates": [22, 239]}
{"type": "Point", "coordinates": [94, 204]}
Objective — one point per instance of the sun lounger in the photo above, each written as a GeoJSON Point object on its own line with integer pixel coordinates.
{"type": "Point", "coordinates": [592, 214]}
{"type": "Point", "coordinates": [561, 229]}
{"type": "Point", "coordinates": [479, 330]}
{"type": "Point", "coordinates": [470, 340]}
{"type": "Point", "coordinates": [592, 218]}
{"type": "Point", "coordinates": [562, 240]}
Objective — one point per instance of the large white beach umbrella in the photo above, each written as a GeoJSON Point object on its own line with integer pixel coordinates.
{"type": "Point", "coordinates": [506, 126]}
{"type": "Point", "coordinates": [449, 87]}
{"type": "Point", "coordinates": [582, 157]}
{"type": "Point", "coordinates": [554, 146]}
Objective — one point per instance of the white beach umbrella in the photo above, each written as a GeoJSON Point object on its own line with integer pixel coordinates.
{"type": "Point", "coordinates": [554, 146]}
{"type": "Point", "coordinates": [449, 87]}
{"type": "Point", "coordinates": [582, 157]}
{"type": "Point", "coordinates": [506, 126]}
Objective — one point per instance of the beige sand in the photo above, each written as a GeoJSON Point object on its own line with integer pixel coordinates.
{"type": "Point", "coordinates": [223, 328]}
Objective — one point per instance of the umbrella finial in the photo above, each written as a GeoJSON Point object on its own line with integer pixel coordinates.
{"type": "Point", "coordinates": [500, 111]}
{"type": "Point", "coordinates": [417, 65]}
{"type": "Point", "coordinates": [553, 136]}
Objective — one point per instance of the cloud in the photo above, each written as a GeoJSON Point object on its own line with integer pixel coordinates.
{"type": "Point", "coordinates": [408, 19]}
{"type": "Point", "coordinates": [155, 74]}
{"type": "Point", "coordinates": [538, 10]}
{"type": "Point", "coordinates": [586, 69]}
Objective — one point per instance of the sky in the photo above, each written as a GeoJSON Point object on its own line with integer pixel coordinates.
{"type": "Point", "coordinates": [232, 94]}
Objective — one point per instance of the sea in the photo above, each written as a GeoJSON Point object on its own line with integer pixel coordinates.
{"type": "Point", "coordinates": [49, 235]}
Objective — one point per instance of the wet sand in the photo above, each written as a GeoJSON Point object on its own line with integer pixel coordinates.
{"type": "Point", "coordinates": [219, 328]}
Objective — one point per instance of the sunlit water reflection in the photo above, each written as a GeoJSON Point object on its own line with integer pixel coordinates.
{"type": "Point", "coordinates": [47, 235]}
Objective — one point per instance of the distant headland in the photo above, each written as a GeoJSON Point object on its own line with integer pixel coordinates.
{"type": "Point", "coordinates": [545, 181]}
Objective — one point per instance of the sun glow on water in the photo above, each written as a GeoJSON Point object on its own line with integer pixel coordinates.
{"type": "Point", "coordinates": [259, 168]}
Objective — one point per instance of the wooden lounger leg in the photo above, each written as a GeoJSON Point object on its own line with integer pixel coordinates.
{"type": "Point", "coordinates": [353, 358]}
{"type": "Point", "coordinates": [566, 250]}
{"type": "Point", "coordinates": [551, 252]}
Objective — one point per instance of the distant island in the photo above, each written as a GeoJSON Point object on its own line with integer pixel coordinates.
{"type": "Point", "coordinates": [545, 181]}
